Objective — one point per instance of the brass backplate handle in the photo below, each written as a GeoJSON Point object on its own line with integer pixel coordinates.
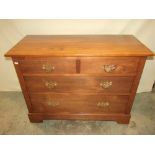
{"type": "Point", "coordinates": [48, 67]}
{"type": "Point", "coordinates": [103, 104]}
{"type": "Point", "coordinates": [109, 68]}
{"type": "Point", "coordinates": [52, 103]}
{"type": "Point", "coordinates": [50, 84]}
{"type": "Point", "coordinates": [106, 84]}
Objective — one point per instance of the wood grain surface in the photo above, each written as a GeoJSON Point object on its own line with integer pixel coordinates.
{"type": "Point", "coordinates": [78, 84]}
{"type": "Point", "coordinates": [79, 45]}
{"type": "Point", "coordinates": [86, 77]}
{"type": "Point", "coordinates": [78, 103]}
{"type": "Point", "coordinates": [35, 66]}
{"type": "Point", "coordinates": [123, 65]}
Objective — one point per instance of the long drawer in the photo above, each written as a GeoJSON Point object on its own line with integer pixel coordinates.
{"type": "Point", "coordinates": [78, 103]}
{"type": "Point", "coordinates": [79, 84]}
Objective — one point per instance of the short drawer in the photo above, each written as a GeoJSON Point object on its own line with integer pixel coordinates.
{"type": "Point", "coordinates": [78, 103]}
{"type": "Point", "coordinates": [110, 65]}
{"type": "Point", "coordinates": [79, 84]}
{"type": "Point", "coordinates": [48, 65]}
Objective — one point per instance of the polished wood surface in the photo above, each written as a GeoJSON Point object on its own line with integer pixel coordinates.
{"type": "Point", "coordinates": [84, 65]}
{"type": "Point", "coordinates": [135, 84]}
{"type": "Point", "coordinates": [78, 103]}
{"type": "Point", "coordinates": [78, 84]}
{"type": "Point", "coordinates": [92, 77]}
{"type": "Point", "coordinates": [39, 117]}
{"type": "Point", "coordinates": [23, 86]}
{"type": "Point", "coordinates": [44, 65]}
{"type": "Point", "coordinates": [123, 65]}
{"type": "Point", "coordinates": [79, 45]}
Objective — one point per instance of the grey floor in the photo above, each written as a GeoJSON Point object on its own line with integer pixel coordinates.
{"type": "Point", "coordinates": [14, 120]}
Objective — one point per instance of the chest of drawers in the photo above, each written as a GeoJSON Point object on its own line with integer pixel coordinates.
{"type": "Point", "coordinates": [87, 77]}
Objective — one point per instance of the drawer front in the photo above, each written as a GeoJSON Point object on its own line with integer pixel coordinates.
{"type": "Point", "coordinates": [78, 103]}
{"type": "Point", "coordinates": [93, 84]}
{"type": "Point", "coordinates": [48, 65]}
{"type": "Point", "coordinates": [110, 65]}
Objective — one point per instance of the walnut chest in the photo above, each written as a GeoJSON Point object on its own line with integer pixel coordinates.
{"type": "Point", "coordinates": [87, 77]}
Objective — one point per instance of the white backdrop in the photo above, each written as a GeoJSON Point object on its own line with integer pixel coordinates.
{"type": "Point", "coordinates": [11, 31]}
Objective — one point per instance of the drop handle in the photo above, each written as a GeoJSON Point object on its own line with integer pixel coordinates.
{"type": "Point", "coordinates": [52, 103]}
{"type": "Point", "coordinates": [103, 104]}
{"type": "Point", "coordinates": [109, 68]}
{"type": "Point", "coordinates": [50, 84]}
{"type": "Point", "coordinates": [48, 67]}
{"type": "Point", "coordinates": [105, 84]}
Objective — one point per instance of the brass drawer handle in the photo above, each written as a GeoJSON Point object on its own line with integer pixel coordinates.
{"type": "Point", "coordinates": [109, 68]}
{"type": "Point", "coordinates": [48, 67]}
{"type": "Point", "coordinates": [106, 84]}
{"type": "Point", "coordinates": [52, 103]}
{"type": "Point", "coordinates": [50, 84]}
{"type": "Point", "coordinates": [103, 104]}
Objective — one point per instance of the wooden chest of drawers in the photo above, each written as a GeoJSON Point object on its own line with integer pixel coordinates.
{"type": "Point", "coordinates": [79, 77]}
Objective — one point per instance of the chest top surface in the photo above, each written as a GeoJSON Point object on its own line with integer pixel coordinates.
{"type": "Point", "coordinates": [79, 45]}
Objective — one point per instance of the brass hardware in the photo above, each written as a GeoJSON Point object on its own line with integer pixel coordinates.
{"type": "Point", "coordinates": [50, 84]}
{"type": "Point", "coordinates": [16, 63]}
{"type": "Point", "coordinates": [106, 84]}
{"type": "Point", "coordinates": [48, 67]}
{"type": "Point", "coordinates": [52, 103]}
{"type": "Point", "coordinates": [103, 104]}
{"type": "Point", "coordinates": [109, 68]}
